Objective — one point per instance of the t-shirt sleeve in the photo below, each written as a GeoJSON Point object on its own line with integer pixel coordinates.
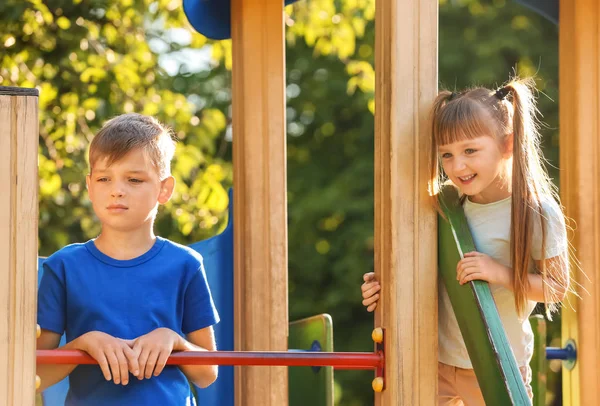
{"type": "Point", "coordinates": [199, 309]}
{"type": "Point", "coordinates": [555, 243]}
{"type": "Point", "coordinates": [51, 312]}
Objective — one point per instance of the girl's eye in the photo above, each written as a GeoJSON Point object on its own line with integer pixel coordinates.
{"type": "Point", "coordinates": [446, 155]}
{"type": "Point", "coordinates": [470, 151]}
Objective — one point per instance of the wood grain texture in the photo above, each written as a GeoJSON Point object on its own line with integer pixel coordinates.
{"type": "Point", "coordinates": [579, 79]}
{"type": "Point", "coordinates": [260, 203]}
{"type": "Point", "coordinates": [405, 223]}
{"type": "Point", "coordinates": [18, 247]}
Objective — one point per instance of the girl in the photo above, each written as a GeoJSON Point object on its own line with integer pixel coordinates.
{"type": "Point", "coordinates": [486, 143]}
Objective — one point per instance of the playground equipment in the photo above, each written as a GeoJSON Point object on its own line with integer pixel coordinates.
{"type": "Point", "coordinates": [18, 243]}
{"type": "Point", "coordinates": [405, 234]}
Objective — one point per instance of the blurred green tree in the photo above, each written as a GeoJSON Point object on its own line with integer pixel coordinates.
{"type": "Point", "coordinates": [92, 60]}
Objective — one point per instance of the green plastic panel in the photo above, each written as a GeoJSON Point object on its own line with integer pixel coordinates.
{"type": "Point", "coordinates": [478, 319]}
{"type": "Point", "coordinates": [308, 385]}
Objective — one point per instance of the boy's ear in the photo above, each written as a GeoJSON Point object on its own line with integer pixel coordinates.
{"type": "Point", "coordinates": [166, 190]}
{"type": "Point", "coordinates": [87, 185]}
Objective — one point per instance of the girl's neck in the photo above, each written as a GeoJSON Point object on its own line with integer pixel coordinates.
{"type": "Point", "coordinates": [487, 198]}
{"type": "Point", "coordinates": [125, 245]}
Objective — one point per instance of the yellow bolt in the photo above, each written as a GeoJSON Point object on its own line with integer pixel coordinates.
{"type": "Point", "coordinates": [38, 382]}
{"type": "Point", "coordinates": [377, 335]}
{"type": "Point", "coordinates": [377, 384]}
{"type": "Point", "coordinates": [38, 331]}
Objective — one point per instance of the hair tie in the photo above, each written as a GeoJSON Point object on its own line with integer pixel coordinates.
{"type": "Point", "coordinates": [502, 92]}
{"type": "Point", "coordinates": [453, 96]}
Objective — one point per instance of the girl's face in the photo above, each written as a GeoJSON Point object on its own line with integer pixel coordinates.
{"type": "Point", "coordinates": [479, 167]}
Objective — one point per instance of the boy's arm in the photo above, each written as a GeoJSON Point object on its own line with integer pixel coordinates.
{"type": "Point", "coordinates": [153, 350]}
{"type": "Point", "coordinates": [199, 340]}
{"type": "Point", "coordinates": [114, 356]}
{"type": "Point", "coordinates": [51, 374]}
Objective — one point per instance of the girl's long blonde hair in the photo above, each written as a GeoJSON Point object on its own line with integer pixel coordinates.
{"type": "Point", "coordinates": [510, 110]}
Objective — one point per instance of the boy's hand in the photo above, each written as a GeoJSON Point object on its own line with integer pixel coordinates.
{"type": "Point", "coordinates": [370, 289]}
{"type": "Point", "coordinates": [478, 266]}
{"type": "Point", "coordinates": [153, 350]}
{"type": "Point", "coordinates": [114, 356]}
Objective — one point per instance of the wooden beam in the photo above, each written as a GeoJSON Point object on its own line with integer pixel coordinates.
{"type": "Point", "coordinates": [579, 79]}
{"type": "Point", "coordinates": [405, 224]}
{"type": "Point", "coordinates": [18, 244]}
{"type": "Point", "coordinates": [260, 203]}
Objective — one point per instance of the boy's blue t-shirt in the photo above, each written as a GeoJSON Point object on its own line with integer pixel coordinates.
{"type": "Point", "coordinates": [84, 290]}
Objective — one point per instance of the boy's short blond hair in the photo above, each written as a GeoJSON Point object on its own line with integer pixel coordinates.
{"type": "Point", "coordinates": [126, 132]}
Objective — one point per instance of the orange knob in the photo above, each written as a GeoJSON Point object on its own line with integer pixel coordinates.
{"type": "Point", "coordinates": [38, 331]}
{"type": "Point", "coordinates": [377, 384]}
{"type": "Point", "coordinates": [38, 382]}
{"type": "Point", "coordinates": [377, 335]}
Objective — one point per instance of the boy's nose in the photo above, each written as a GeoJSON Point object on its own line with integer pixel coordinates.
{"type": "Point", "coordinates": [117, 192]}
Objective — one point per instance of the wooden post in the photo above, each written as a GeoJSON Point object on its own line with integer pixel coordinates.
{"type": "Point", "coordinates": [260, 203]}
{"type": "Point", "coordinates": [405, 223]}
{"type": "Point", "coordinates": [18, 244]}
{"type": "Point", "coordinates": [579, 79]}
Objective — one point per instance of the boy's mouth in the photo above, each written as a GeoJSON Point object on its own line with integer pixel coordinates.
{"type": "Point", "coordinates": [117, 207]}
{"type": "Point", "coordinates": [465, 180]}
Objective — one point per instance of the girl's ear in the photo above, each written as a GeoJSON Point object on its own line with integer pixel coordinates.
{"type": "Point", "coordinates": [166, 190]}
{"type": "Point", "coordinates": [508, 145]}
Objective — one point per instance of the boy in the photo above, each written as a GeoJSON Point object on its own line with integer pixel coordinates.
{"type": "Point", "coordinates": [128, 298]}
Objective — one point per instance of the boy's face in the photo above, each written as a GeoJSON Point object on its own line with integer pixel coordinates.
{"type": "Point", "coordinates": [125, 194]}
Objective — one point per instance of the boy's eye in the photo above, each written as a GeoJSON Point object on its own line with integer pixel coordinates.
{"type": "Point", "coordinates": [470, 151]}
{"type": "Point", "coordinates": [133, 180]}
{"type": "Point", "coordinates": [102, 180]}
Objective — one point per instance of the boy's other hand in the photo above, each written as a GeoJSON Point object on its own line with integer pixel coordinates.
{"type": "Point", "coordinates": [153, 350]}
{"type": "Point", "coordinates": [370, 291]}
{"type": "Point", "coordinates": [114, 356]}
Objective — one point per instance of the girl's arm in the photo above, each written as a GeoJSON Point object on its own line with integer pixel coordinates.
{"type": "Point", "coordinates": [557, 283]}
{"type": "Point", "coordinates": [478, 266]}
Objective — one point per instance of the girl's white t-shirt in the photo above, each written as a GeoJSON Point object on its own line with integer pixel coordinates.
{"type": "Point", "coordinates": [490, 228]}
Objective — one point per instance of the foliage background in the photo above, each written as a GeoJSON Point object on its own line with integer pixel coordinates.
{"type": "Point", "coordinates": [93, 59]}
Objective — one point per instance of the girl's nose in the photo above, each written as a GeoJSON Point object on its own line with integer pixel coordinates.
{"type": "Point", "coordinates": [459, 164]}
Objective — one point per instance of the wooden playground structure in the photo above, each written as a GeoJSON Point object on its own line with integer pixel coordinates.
{"type": "Point", "coordinates": [405, 224]}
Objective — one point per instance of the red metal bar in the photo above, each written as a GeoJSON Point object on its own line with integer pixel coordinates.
{"type": "Point", "coordinates": [339, 360]}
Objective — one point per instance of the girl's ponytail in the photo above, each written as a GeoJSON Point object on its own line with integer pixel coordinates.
{"type": "Point", "coordinates": [530, 184]}
{"type": "Point", "coordinates": [521, 221]}
{"type": "Point", "coordinates": [441, 100]}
